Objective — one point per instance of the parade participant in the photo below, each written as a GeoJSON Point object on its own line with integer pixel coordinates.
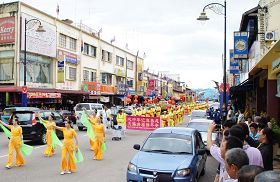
{"type": "Point", "coordinates": [93, 119]}
{"type": "Point", "coordinates": [175, 116]}
{"type": "Point", "coordinates": [143, 112]}
{"type": "Point", "coordinates": [138, 112]}
{"type": "Point", "coordinates": [158, 111]}
{"type": "Point", "coordinates": [148, 112]}
{"type": "Point", "coordinates": [153, 111]}
{"type": "Point", "coordinates": [106, 115]}
{"type": "Point", "coordinates": [14, 143]}
{"type": "Point", "coordinates": [68, 148]}
{"type": "Point", "coordinates": [171, 118]}
{"type": "Point", "coordinates": [99, 131]}
{"type": "Point", "coordinates": [50, 127]}
{"type": "Point", "coordinates": [121, 119]}
{"type": "Point", "coordinates": [180, 114]}
{"type": "Point", "coordinates": [164, 119]}
{"type": "Point", "coordinates": [134, 111]}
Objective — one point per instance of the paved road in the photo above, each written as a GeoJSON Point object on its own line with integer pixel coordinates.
{"type": "Point", "coordinates": [112, 169]}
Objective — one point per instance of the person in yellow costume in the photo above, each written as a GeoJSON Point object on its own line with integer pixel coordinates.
{"type": "Point", "coordinates": [49, 151]}
{"type": "Point", "coordinates": [182, 114]}
{"type": "Point", "coordinates": [175, 116]}
{"type": "Point", "coordinates": [133, 111]}
{"type": "Point", "coordinates": [164, 119]}
{"type": "Point", "coordinates": [68, 148]}
{"type": "Point", "coordinates": [158, 111]}
{"type": "Point", "coordinates": [171, 118]}
{"type": "Point", "coordinates": [93, 119]}
{"type": "Point", "coordinates": [138, 112]}
{"type": "Point", "coordinates": [99, 132]}
{"type": "Point", "coordinates": [14, 143]}
{"type": "Point", "coordinates": [153, 111]}
{"type": "Point", "coordinates": [148, 112]}
{"type": "Point", "coordinates": [144, 112]}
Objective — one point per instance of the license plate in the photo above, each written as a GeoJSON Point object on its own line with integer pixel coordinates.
{"type": "Point", "coordinates": [149, 180]}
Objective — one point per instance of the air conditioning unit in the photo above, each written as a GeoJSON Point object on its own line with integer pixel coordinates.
{"type": "Point", "coordinates": [269, 36]}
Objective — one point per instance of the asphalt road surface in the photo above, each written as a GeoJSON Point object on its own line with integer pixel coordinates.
{"type": "Point", "coordinates": [111, 169]}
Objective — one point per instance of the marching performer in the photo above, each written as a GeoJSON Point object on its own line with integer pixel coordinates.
{"type": "Point", "coordinates": [99, 131]}
{"type": "Point", "coordinates": [68, 148]}
{"type": "Point", "coordinates": [14, 143]}
{"type": "Point", "coordinates": [164, 119]}
{"type": "Point", "coordinates": [93, 120]}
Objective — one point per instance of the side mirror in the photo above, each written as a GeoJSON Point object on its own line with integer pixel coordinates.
{"type": "Point", "coordinates": [201, 151]}
{"type": "Point", "coordinates": [136, 147]}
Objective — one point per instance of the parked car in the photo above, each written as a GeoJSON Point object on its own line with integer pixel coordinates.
{"type": "Point", "coordinates": [90, 107]}
{"type": "Point", "coordinates": [32, 129]}
{"type": "Point", "coordinates": [178, 152]}
{"type": "Point", "coordinates": [65, 113]}
{"type": "Point", "coordinates": [198, 114]}
{"type": "Point", "coordinates": [202, 126]}
{"type": "Point", "coordinates": [7, 112]}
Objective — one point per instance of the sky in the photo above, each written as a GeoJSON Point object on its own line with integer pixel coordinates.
{"type": "Point", "coordinates": [165, 30]}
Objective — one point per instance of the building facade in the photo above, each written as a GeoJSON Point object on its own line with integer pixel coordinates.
{"type": "Point", "coordinates": [65, 64]}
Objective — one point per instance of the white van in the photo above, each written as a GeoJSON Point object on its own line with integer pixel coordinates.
{"type": "Point", "coordinates": [90, 107]}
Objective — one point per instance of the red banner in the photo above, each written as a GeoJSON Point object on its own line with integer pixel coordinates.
{"type": "Point", "coordinates": [142, 123]}
{"type": "Point", "coordinates": [7, 30]}
{"type": "Point", "coordinates": [151, 85]}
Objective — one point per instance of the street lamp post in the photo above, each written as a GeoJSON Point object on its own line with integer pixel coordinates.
{"type": "Point", "coordinates": [218, 9]}
{"type": "Point", "coordinates": [39, 29]}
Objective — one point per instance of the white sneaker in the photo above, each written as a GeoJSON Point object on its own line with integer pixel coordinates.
{"type": "Point", "coordinates": [68, 172]}
{"type": "Point", "coordinates": [8, 167]}
{"type": "Point", "coordinates": [62, 173]}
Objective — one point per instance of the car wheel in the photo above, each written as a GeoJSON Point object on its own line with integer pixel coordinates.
{"type": "Point", "coordinates": [44, 138]}
{"type": "Point", "coordinates": [81, 128]}
{"type": "Point", "coordinates": [202, 172]}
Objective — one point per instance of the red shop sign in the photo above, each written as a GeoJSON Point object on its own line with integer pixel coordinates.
{"type": "Point", "coordinates": [7, 30]}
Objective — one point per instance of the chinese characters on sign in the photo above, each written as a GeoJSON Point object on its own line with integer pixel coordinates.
{"type": "Point", "coordinates": [142, 123]}
{"type": "Point", "coordinates": [7, 30]}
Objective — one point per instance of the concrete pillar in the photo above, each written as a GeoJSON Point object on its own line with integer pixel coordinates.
{"type": "Point", "coordinates": [273, 102]}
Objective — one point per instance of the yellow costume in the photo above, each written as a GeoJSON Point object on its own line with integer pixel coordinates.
{"type": "Point", "coordinates": [158, 111]}
{"type": "Point", "coordinates": [68, 148]}
{"type": "Point", "coordinates": [164, 119]}
{"type": "Point", "coordinates": [93, 121]}
{"type": "Point", "coordinates": [148, 113]}
{"type": "Point", "coordinates": [152, 113]}
{"type": "Point", "coordinates": [49, 150]}
{"type": "Point", "coordinates": [98, 141]}
{"type": "Point", "coordinates": [171, 119]}
{"type": "Point", "coordinates": [139, 113]}
{"type": "Point", "coordinates": [144, 113]}
{"type": "Point", "coordinates": [15, 143]}
{"type": "Point", "coordinates": [121, 118]}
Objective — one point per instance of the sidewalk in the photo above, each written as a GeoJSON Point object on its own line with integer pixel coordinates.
{"type": "Point", "coordinates": [276, 164]}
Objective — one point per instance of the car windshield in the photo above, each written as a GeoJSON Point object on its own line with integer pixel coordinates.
{"type": "Point", "coordinates": [80, 107]}
{"type": "Point", "coordinates": [200, 126]}
{"type": "Point", "coordinates": [198, 114]}
{"type": "Point", "coordinates": [97, 107]}
{"type": "Point", "coordinates": [168, 143]}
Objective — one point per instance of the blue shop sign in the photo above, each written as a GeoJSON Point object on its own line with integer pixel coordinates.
{"type": "Point", "coordinates": [240, 45]}
{"type": "Point", "coordinates": [71, 60]}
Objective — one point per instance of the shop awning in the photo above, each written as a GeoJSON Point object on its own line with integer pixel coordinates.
{"type": "Point", "coordinates": [266, 61]}
{"type": "Point", "coordinates": [10, 89]}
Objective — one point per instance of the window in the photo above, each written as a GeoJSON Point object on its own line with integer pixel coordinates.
{"type": "Point", "coordinates": [130, 83]}
{"type": "Point", "coordinates": [109, 56]}
{"type": "Point", "coordinates": [120, 80]}
{"type": "Point", "coordinates": [106, 78]}
{"type": "Point", "coordinates": [6, 69]}
{"type": "Point", "coordinates": [93, 51]}
{"type": "Point", "coordinates": [106, 56]}
{"type": "Point", "coordinates": [62, 40]}
{"type": "Point", "coordinates": [93, 76]}
{"type": "Point", "coordinates": [86, 49]}
{"type": "Point", "coordinates": [71, 73]}
{"type": "Point", "coordinates": [119, 61]}
{"type": "Point", "coordinates": [73, 44]}
{"type": "Point", "coordinates": [129, 64]}
{"type": "Point", "coordinates": [86, 75]}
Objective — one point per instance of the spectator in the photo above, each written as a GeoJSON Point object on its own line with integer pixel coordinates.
{"type": "Point", "coordinates": [249, 121]}
{"type": "Point", "coordinates": [247, 173]}
{"type": "Point", "coordinates": [250, 141]}
{"type": "Point", "coordinates": [255, 157]}
{"type": "Point", "coordinates": [218, 153]}
{"type": "Point", "coordinates": [164, 178]}
{"type": "Point", "coordinates": [266, 148]}
{"type": "Point", "coordinates": [234, 160]}
{"type": "Point", "coordinates": [230, 113]}
{"type": "Point", "coordinates": [271, 176]}
{"type": "Point", "coordinates": [254, 131]}
{"type": "Point", "coordinates": [240, 116]}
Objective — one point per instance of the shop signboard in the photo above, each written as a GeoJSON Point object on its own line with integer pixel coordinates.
{"type": "Point", "coordinates": [7, 30]}
{"type": "Point", "coordinates": [122, 89]}
{"type": "Point", "coordinates": [42, 95]}
{"type": "Point", "coordinates": [151, 84]}
{"type": "Point", "coordinates": [234, 63]}
{"type": "Point", "coordinates": [240, 45]}
{"type": "Point", "coordinates": [142, 123]}
{"type": "Point", "coordinates": [43, 43]}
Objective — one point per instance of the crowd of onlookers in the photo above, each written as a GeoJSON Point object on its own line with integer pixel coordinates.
{"type": "Point", "coordinates": [245, 150]}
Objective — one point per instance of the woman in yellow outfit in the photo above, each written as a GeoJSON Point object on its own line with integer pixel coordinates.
{"type": "Point", "coordinates": [93, 119]}
{"type": "Point", "coordinates": [158, 111]}
{"type": "Point", "coordinates": [164, 119]}
{"type": "Point", "coordinates": [50, 127]}
{"type": "Point", "coordinates": [14, 144]}
{"type": "Point", "coordinates": [171, 119]}
{"type": "Point", "coordinates": [68, 148]}
{"type": "Point", "coordinates": [99, 132]}
{"type": "Point", "coordinates": [143, 112]}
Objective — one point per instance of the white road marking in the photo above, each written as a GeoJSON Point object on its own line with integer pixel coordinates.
{"type": "Point", "coordinates": [3, 156]}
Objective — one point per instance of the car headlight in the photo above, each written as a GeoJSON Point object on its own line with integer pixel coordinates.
{"type": "Point", "coordinates": [131, 167]}
{"type": "Point", "coordinates": [183, 172]}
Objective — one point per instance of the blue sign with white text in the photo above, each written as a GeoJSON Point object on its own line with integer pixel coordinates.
{"type": "Point", "coordinates": [240, 45]}
{"type": "Point", "coordinates": [233, 64]}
